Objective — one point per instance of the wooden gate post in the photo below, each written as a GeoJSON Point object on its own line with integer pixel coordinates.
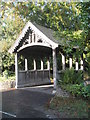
{"type": "Point", "coordinates": [63, 62]}
{"type": "Point", "coordinates": [70, 62]}
{"type": "Point", "coordinates": [54, 68]}
{"type": "Point", "coordinates": [41, 64]}
{"type": "Point", "coordinates": [16, 69]}
{"type": "Point", "coordinates": [26, 64]}
{"type": "Point", "coordinates": [76, 64]}
{"type": "Point", "coordinates": [81, 62]}
{"type": "Point", "coordinates": [48, 64]}
{"type": "Point", "coordinates": [35, 64]}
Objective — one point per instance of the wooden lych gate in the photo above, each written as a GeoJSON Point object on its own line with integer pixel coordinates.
{"type": "Point", "coordinates": [38, 42]}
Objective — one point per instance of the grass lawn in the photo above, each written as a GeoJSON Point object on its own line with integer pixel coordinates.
{"type": "Point", "coordinates": [69, 107]}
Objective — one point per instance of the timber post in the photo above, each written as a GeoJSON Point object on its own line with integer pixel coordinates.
{"type": "Point", "coordinates": [16, 69]}
{"type": "Point", "coordinates": [54, 68]}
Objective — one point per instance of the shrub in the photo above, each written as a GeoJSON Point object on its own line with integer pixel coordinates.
{"type": "Point", "coordinates": [72, 81]}
{"type": "Point", "coordinates": [11, 73]}
{"type": "Point", "coordinates": [86, 91]}
{"type": "Point", "coordinates": [78, 90]}
{"type": "Point", "coordinates": [70, 76]}
{"type": "Point", "coordinates": [5, 73]}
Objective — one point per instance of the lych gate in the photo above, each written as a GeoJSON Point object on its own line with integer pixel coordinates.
{"type": "Point", "coordinates": [37, 42]}
{"type": "Point", "coordinates": [32, 42]}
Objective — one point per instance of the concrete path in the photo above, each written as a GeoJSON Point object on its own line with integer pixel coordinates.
{"type": "Point", "coordinates": [27, 102]}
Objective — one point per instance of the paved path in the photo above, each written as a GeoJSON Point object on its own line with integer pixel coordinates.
{"type": "Point", "coordinates": [26, 103]}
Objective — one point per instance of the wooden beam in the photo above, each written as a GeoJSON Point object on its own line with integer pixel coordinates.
{"type": "Point", "coordinates": [76, 64]}
{"type": "Point", "coordinates": [33, 44]}
{"type": "Point", "coordinates": [26, 65]}
{"type": "Point", "coordinates": [35, 64]}
{"type": "Point", "coordinates": [63, 62]}
{"type": "Point", "coordinates": [16, 69]}
{"type": "Point", "coordinates": [48, 64]}
{"type": "Point", "coordinates": [70, 62]}
{"type": "Point", "coordinates": [41, 64]}
{"type": "Point", "coordinates": [29, 38]}
{"type": "Point", "coordinates": [81, 62]}
{"type": "Point", "coordinates": [54, 68]}
{"type": "Point", "coordinates": [32, 37]}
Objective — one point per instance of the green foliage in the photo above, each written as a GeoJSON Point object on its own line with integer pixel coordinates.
{"type": "Point", "coordinates": [5, 73]}
{"type": "Point", "coordinates": [72, 82]}
{"type": "Point", "coordinates": [70, 20]}
{"type": "Point", "coordinates": [8, 73]}
{"type": "Point", "coordinates": [11, 25]}
{"type": "Point", "coordinates": [70, 39]}
{"type": "Point", "coordinates": [78, 90]}
{"type": "Point", "coordinates": [11, 74]}
{"type": "Point", "coordinates": [86, 91]}
{"type": "Point", "coordinates": [70, 76]}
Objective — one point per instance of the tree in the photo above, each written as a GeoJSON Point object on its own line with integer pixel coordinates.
{"type": "Point", "coordinates": [69, 20]}
{"type": "Point", "coordinates": [85, 10]}
{"type": "Point", "coordinates": [11, 25]}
